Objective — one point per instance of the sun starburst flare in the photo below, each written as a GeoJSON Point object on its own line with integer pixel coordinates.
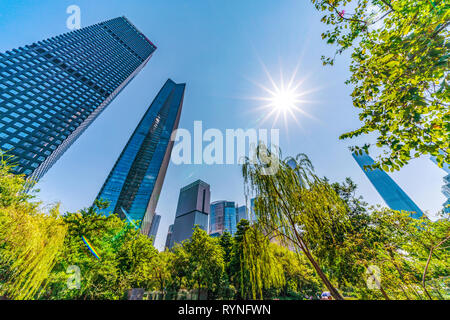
{"type": "Point", "coordinates": [285, 99]}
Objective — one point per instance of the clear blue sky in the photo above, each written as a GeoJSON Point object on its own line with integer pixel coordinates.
{"type": "Point", "coordinates": [215, 46]}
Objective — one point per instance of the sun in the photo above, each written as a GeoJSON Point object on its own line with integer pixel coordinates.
{"type": "Point", "coordinates": [285, 99]}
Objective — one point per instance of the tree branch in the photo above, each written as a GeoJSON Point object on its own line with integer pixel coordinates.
{"type": "Point", "coordinates": [428, 263]}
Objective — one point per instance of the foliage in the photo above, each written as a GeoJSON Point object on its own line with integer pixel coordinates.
{"type": "Point", "coordinates": [402, 248]}
{"type": "Point", "coordinates": [399, 72]}
{"type": "Point", "coordinates": [29, 239]}
{"type": "Point", "coordinates": [253, 265]}
{"type": "Point", "coordinates": [298, 207]}
{"type": "Point", "coordinates": [300, 278]}
{"type": "Point", "coordinates": [127, 258]}
{"type": "Point", "coordinates": [205, 261]}
{"type": "Point", "coordinates": [309, 236]}
{"type": "Point", "coordinates": [343, 239]}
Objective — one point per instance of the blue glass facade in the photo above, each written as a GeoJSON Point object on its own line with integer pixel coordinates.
{"type": "Point", "coordinates": [241, 213]}
{"type": "Point", "coordinates": [391, 193]}
{"type": "Point", "coordinates": [223, 218]}
{"type": "Point", "coordinates": [52, 90]}
{"type": "Point", "coordinates": [134, 184]}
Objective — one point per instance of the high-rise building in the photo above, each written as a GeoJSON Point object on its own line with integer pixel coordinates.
{"type": "Point", "coordinates": [192, 209]}
{"type": "Point", "coordinates": [241, 213]}
{"type": "Point", "coordinates": [154, 227]}
{"type": "Point", "coordinates": [446, 186]}
{"type": "Point", "coordinates": [391, 193]}
{"type": "Point", "coordinates": [222, 218]}
{"type": "Point", "coordinates": [169, 236]}
{"type": "Point", "coordinates": [134, 184]}
{"type": "Point", "coordinates": [52, 90]}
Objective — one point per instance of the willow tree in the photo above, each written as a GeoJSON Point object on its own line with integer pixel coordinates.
{"type": "Point", "coordinates": [399, 73]}
{"type": "Point", "coordinates": [296, 206]}
{"type": "Point", "coordinates": [30, 240]}
{"type": "Point", "coordinates": [259, 260]}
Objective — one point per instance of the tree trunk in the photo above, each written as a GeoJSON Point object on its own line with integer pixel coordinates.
{"type": "Point", "coordinates": [333, 291]}
{"type": "Point", "coordinates": [384, 293]}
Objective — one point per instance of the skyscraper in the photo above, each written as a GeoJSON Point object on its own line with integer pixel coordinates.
{"type": "Point", "coordinates": [134, 184]}
{"type": "Point", "coordinates": [192, 209]}
{"type": "Point", "coordinates": [446, 186]}
{"type": "Point", "coordinates": [52, 90]}
{"type": "Point", "coordinates": [391, 193]}
{"type": "Point", "coordinates": [241, 213]}
{"type": "Point", "coordinates": [169, 236]}
{"type": "Point", "coordinates": [222, 218]}
{"type": "Point", "coordinates": [154, 227]}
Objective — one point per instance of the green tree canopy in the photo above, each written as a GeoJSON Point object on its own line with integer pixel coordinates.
{"type": "Point", "coordinates": [298, 207]}
{"type": "Point", "coordinates": [30, 238]}
{"type": "Point", "coordinates": [399, 71]}
{"type": "Point", "coordinates": [205, 258]}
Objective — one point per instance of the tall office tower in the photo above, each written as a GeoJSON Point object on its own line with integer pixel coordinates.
{"type": "Point", "coordinates": [154, 227]}
{"type": "Point", "coordinates": [134, 184]}
{"type": "Point", "coordinates": [222, 218]}
{"type": "Point", "coordinates": [192, 210]}
{"type": "Point", "coordinates": [169, 236]}
{"type": "Point", "coordinates": [52, 90]}
{"type": "Point", "coordinates": [446, 186]}
{"type": "Point", "coordinates": [391, 193]}
{"type": "Point", "coordinates": [241, 213]}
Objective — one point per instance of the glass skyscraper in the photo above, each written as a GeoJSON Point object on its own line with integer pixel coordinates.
{"type": "Point", "coordinates": [241, 213]}
{"type": "Point", "coordinates": [134, 184]}
{"type": "Point", "coordinates": [52, 90]}
{"type": "Point", "coordinates": [391, 193]}
{"type": "Point", "coordinates": [222, 218]}
{"type": "Point", "coordinates": [192, 209]}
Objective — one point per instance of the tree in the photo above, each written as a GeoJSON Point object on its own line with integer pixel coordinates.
{"type": "Point", "coordinates": [122, 262]}
{"type": "Point", "coordinates": [206, 265]}
{"type": "Point", "coordinates": [402, 246]}
{"type": "Point", "coordinates": [138, 262]}
{"type": "Point", "coordinates": [253, 266]}
{"type": "Point", "coordinates": [30, 239]}
{"type": "Point", "coordinates": [180, 269]}
{"type": "Point", "coordinates": [298, 207]}
{"type": "Point", "coordinates": [399, 72]}
{"type": "Point", "coordinates": [340, 256]}
{"type": "Point", "coordinates": [162, 270]}
{"type": "Point", "coordinates": [226, 242]}
{"type": "Point", "coordinates": [239, 276]}
{"type": "Point", "coordinates": [300, 278]}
